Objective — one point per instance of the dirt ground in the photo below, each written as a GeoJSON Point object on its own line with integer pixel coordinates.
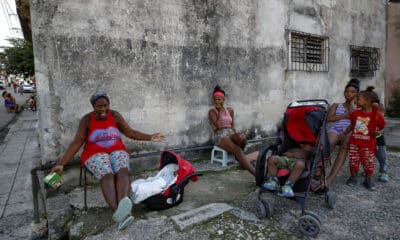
{"type": "Point", "coordinates": [358, 214]}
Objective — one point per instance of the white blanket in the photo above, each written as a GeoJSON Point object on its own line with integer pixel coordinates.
{"type": "Point", "coordinates": [145, 188]}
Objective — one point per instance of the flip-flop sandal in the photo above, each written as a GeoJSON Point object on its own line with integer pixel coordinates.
{"type": "Point", "coordinates": [123, 210]}
{"type": "Point", "coordinates": [122, 225]}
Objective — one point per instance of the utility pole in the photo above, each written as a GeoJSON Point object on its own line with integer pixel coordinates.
{"type": "Point", "coordinates": [11, 19]}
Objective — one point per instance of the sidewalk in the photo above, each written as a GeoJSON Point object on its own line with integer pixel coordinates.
{"type": "Point", "coordinates": [18, 151]}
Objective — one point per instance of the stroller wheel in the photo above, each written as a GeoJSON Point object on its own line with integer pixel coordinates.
{"type": "Point", "coordinates": [264, 209]}
{"type": "Point", "coordinates": [313, 214]}
{"type": "Point", "coordinates": [309, 225]}
{"type": "Point", "coordinates": [330, 199]}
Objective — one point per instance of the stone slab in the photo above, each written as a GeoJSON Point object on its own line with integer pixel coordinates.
{"type": "Point", "coordinates": [95, 198]}
{"type": "Point", "coordinates": [200, 214]}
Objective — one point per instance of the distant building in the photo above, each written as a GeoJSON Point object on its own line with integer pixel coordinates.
{"type": "Point", "coordinates": [393, 50]}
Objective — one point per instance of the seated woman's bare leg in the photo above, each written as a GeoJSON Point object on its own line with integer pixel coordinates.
{"type": "Point", "coordinates": [340, 158]}
{"type": "Point", "coordinates": [122, 183]}
{"type": "Point", "coordinates": [252, 156]}
{"type": "Point", "coordinates": [107, 184]}
{"type": "Point", "coordinates": [227, 144]}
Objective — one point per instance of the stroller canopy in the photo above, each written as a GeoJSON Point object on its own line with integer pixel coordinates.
{"type": "Point", "coordinates": [303, 123]}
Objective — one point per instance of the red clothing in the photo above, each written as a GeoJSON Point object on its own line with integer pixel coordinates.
{"type": "Point", "coordinates": [363, 155]}
{"type": "Point", "coordinates": [103, 137]}
{"type": "Point", "coordinates": [364, 125]}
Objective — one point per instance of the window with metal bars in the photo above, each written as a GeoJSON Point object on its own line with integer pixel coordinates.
{"type": "Point", "coordinates": [364, 61]}
{"type": "Point", "coordinates": [308, 52]}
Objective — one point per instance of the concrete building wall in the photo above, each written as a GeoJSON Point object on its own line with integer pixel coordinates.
{"type": "Point", "coordinates": [160, 60]}
{"type": "Point", "coordinates": [393, 49]}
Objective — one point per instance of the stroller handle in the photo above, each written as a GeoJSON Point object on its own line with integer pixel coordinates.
{"type": "Point", "coordinates": [309, 102]}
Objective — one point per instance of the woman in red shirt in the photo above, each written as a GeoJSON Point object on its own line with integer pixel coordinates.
{"type": "Point", "coordinates": [105, 155]}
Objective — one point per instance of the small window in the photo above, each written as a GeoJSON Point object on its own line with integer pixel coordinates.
{"type": "Point", "coordinates": [364, 61]}
{"type": "Point", "coordinates": [308, 52]}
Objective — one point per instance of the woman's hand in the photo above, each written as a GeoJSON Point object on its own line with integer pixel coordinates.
{"type": "Point", "coordinates": [58, 168]}
{"type": "Point", "coordinates": [157, 137]}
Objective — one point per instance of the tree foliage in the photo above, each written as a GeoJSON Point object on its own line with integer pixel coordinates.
{"type": "Point", "coordinates": [19, 57]}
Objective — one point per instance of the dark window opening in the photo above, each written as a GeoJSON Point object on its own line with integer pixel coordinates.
{"type": "Point", "coordinates": [364, 61]}
{"type": "Point", "coordinates": [308, 52]}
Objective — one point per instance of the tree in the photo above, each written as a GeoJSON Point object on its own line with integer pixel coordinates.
{"type": "Point", "coordinates": [19, 57]}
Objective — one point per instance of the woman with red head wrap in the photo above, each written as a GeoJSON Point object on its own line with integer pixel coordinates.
{"type": "Point", "coordinates": [225, 136]}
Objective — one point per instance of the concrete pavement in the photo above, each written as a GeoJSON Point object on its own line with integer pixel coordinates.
{"type": "Point", "coordinates": [18, 151]}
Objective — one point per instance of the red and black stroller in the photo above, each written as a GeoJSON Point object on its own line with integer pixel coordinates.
{"type": "Point", "coordinates": [304, 121]}
{"type": "Point", "coordinates": [166, 189]}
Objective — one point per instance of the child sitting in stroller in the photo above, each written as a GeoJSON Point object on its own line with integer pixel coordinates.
{"type": "Point", "coordinates": [293, 159]}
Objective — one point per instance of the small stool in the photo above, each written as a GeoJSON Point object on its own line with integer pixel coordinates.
{"type": "Point", "coordinates": [220, 155]}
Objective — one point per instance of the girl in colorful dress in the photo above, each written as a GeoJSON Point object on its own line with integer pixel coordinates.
{"type": "Point", "coordinates": [366, 123]}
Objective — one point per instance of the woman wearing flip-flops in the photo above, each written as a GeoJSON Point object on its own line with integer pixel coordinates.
{"type": "Point", "coordinates": [105, 155]}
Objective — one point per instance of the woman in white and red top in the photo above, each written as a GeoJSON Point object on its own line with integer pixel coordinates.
{"type": "Point", "coordinates": [105, 155]}
{"type": "Point", "coordinates": [222, 122]}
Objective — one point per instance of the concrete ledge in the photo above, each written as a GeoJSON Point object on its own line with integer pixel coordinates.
{"type": "Point", "coordinates": [200, 214]}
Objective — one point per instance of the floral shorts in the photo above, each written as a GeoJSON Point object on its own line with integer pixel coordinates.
{"type": "Point", "coordinates": [102, 164]}
{"type": "Point", "coordinates": [221, 134]}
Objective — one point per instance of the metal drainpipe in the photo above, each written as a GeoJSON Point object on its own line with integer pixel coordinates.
{"type": "Point", "coordinates": [49, 165]}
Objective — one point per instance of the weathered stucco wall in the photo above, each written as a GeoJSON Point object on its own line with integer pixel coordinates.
{"type": "Point", "coordinates": [160, 60]}
{"type": "Point", "coordinates": [393, 50]}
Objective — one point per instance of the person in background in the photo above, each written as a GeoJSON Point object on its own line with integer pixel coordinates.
{"type": "Point", "coordinates": [222, 121]}
{"type": "Point", "coordinates": [14, 85]}
{"type": "Point", "coordinates": [10, 103]}
{"type": "Point", "coordinates": [32, 102]}
{"type": "Point", "coordinates": [366, 124]}
{"type": "Point", "coordinates": [381, 153]}
{"type": "Point", "coordinates": [105, 155]}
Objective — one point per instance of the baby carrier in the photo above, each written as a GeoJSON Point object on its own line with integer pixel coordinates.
{"type": "Point", "coordinates": [304, 121]}
{"type": "Point", "coordinates": [166, 189]}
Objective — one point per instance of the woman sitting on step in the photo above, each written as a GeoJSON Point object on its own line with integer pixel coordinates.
{"type": "Point", "coordinates": [222, 121]}
{"type": "Point", "coordinates": [105, 155]}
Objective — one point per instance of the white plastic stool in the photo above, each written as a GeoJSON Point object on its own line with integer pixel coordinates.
{"type": "Point", "coordinates": [220, 155]}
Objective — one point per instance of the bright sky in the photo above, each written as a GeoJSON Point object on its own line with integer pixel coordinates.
{"type": "Point", "coordinates": [7, 21]}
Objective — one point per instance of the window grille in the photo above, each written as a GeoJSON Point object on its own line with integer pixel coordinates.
{"type": "Point", "coordinates": [364, 61]}
{"type": "Point", "coordinates": [308, 52]}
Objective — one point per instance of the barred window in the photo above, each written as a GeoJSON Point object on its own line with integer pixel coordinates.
{"type": "Point", "coordinates": [308, 52]}
{"type": "Point", "coordinates": [364, 61]}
